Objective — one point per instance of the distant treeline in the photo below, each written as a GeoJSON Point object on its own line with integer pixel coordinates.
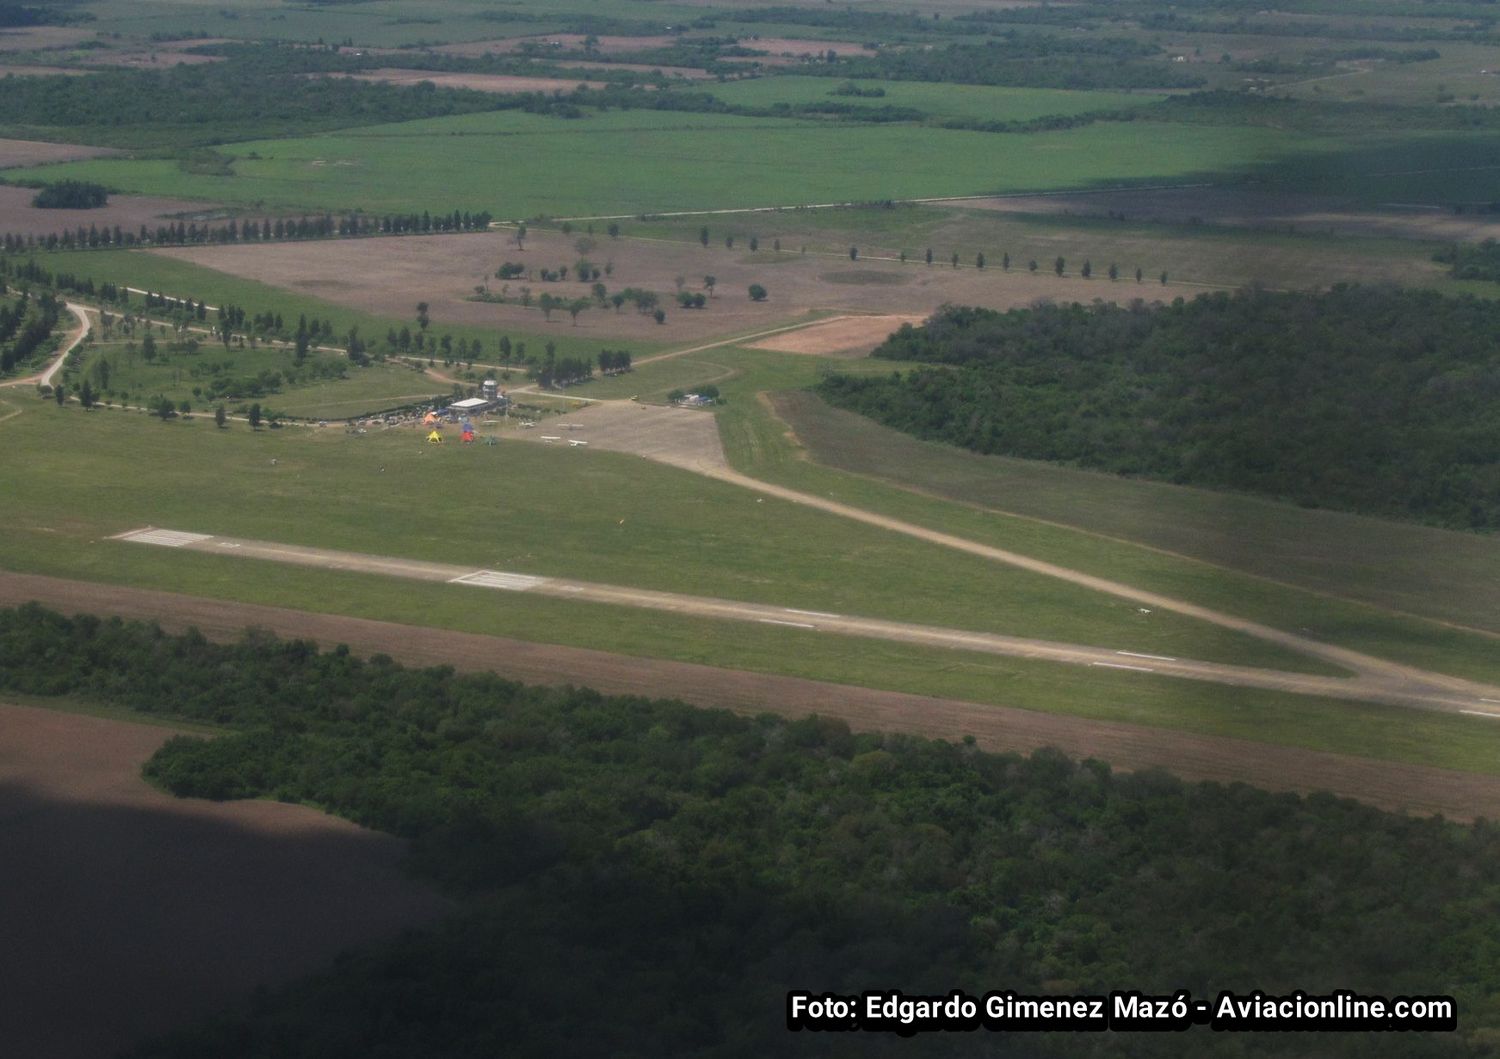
{"type": "Point", "coordinates": [1472, 260]}
{"type": "Point", "coordinates": [1375, 400]}
{"type": "Point", "coordinates": [182, 233]}
{"type": "Point", "coordinates": [613, 855]}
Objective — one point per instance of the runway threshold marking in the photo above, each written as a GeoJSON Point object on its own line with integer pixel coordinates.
{"type": "Point", "coordinates": [165, 538]}
{"type": "Point", "coordinates": [793, 624]}
{"type": "Point", "coordinates": [499, 579]}
{"type": "Point", "coordinates": [1137, 654]}
{"type": "Point", "coordinates": [811, 613]}
{"type": "Point", "coordinates": [1121, 665]}
{"type": "Point", "coordinates": [1481, 713]}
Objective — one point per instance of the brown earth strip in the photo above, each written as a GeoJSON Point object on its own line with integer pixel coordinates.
{"type": "Point", "coordinates": [15, 153]}
{"type": "Point", "coordinates": [1418, 789]}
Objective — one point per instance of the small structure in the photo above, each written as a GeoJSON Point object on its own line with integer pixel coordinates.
{"type": "Point", "coordinates": [468, 437]}
{"type": "Point", "coordinates": [435, 438]}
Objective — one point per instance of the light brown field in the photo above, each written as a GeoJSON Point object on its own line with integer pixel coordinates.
{"type": "Point", "coordinates": [14, 153]}
{"type": "Point", "coordinates": [42, 38]}
{"type": "Point", "coordinates": [25, 70]}
{"type": "Point", "coordinates": [443, 271]}
{"type": "Point", "coordinates": [478, 82]}
{"type": "Point", "coordinates": [127, 911]}
{"type": "Point", "coordinates": [788, 51]}
{"type": "Point", "coordinates": [19, 217]}
{"type": "Point", "coordinates": [842, 336]}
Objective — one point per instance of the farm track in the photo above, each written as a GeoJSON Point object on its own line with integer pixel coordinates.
{"type": "Point", "coordinates": [1414, 788]}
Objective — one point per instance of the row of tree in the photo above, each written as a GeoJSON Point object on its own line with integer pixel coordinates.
{"type": "Point", "coordinates": [25, 326]}
{"type": "Point", "coordinates": [609, 856]}
{"type": "Point", "coordinates": [187, 233]}
{"type": "Point", "coordinates": [1368, 399]}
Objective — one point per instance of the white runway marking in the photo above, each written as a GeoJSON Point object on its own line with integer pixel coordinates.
{"type": "Point", "coordinates": [497, 579]}
{"type": "Point", "coordinates": [1497, 701]}
{"type": "Point", "coordinates": [1481, 713]}
{"type": "Point", "coordinates": [811, 613]}
{"type": "Point", "coordinates": [793, 624]}
{"type": "Point", "coordinates": [166, 538]}
{"type": "Point", "coordinates": [1117, 665]}
{"type": "Point", "coordinates": [1137, 654]}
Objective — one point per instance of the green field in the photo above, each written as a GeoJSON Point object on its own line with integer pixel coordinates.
{"type": "Point", "coordinates": [1439, 574]}
{"type": "Point", "coordinates": [536, 509]}
{"type": "Point", "coordinates": [979, 102]}
{"type": "Point", "coordinates": [523, 165]}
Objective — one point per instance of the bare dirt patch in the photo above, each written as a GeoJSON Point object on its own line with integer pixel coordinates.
{"type": "Point", "coordinates": [25, 70]}
{"type": "Point", "coordinates": [1457, 795]}
{"type": "Point", "coordinates": [127, 911]}
{"type": "Point", "coordinates": [444, 270]}
{"type": "Point", "coordinates": [844, 336]}
{"type": "Point", "coordinates": [15, 153]}
{"type": "Point", "coordinates": [1248, 208]}
{"type": "Point", "coordinates": [682, 437]}
{"type": "Point", "coordinates": [42, 38]}
{"type": "Point", "coordinates": [477, 82]}
{"type": "Point", "coordinates": [19, 217]}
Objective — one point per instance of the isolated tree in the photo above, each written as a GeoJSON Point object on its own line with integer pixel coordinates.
{"type": "Point", "coordinates": [163, 407]}
{"type": "Point", "coordinates": [1114, 271]}
{"type": "Point", "coordinates": [547, 303]}
{"type": "Point", "coordinates": [219, 417]}
{"type": "Point", "coordinates": [709, 282]}
{"type": "Point", "coordinates": [776, 245]}
{"type": "Point", "coordinates": [1032, 265]}
{"type": "Point", "coordinates": [955, 259]}
{"type": "Point", "coordinates": [729, 242]}
{"type": "Point", "coordinates": [1005, 262]}
{"type": "Point", "coordinates": [903, 257]}
{"type": "Point", "coordinates": [148, 347]}
{"type": "Point", "coordinates": [929, 255]}
{"type": "Point", "coordinates": [1164, 278]}
{"type": "Point", "coordinates": [757, 292]}
{"type": "Point", "coordinates": [1087, 270]}
{"type": "Point", "coordinates": [854, 253]}
{"type": "Point", "coordinates": [1059, 266]}
{"type": "Point", "coordinates": [422, 318]}
{"type": "Point", "coordinates": [617, 300]}
{"type": "Point", "coordinates": [703, 235]}
{"type": "Point", "coordinates": [660, 316]}
{"type": "Point", "coordinates": [255, 416]}
{"type": "Point", "coordinates": [521, 236]}
{"type": "Point", "coordinates": [576, 306]}
{"type": "Point", "coordinates": [1137, 274]}
{"type": "Point", "coordinates": [614, 231]}
{"type": "Point", "coordinates": [86, 395]}
{"type": "Point", "coordinates": [754, 244]}
{"type": "Point", "coordinates": [183, 407]}
{"type": "Point", "coordinates": [979, 260]}
{"type": "Point", "coordinates": [600, 292]}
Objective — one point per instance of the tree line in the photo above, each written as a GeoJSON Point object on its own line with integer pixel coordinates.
{"type": "Point", "coordinates": [1366, 399]}
{"type": "Point", "coordinates": [610, 855]}
{"type": "Point", "coordinates": [25, 326]}
{"type": "Point", "coordinates": [354, 224]}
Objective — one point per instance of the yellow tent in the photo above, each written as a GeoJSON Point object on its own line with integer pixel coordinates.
{"type": "Point", "coordinates": [435, 438]}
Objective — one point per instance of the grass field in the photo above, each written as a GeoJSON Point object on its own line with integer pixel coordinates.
{"type": "Point", "coordinates": [321, 491]}
{"type": "Point", "coordinates": [536, 509]}
{"type": "Point", "coordinates": [758, 443]}
{"type": "Point", "coordinates": [1440, 574]}
{"type": "Point", "coordinates": [979, 102]}
{"type": "Point", "coordinates": [523, 165]}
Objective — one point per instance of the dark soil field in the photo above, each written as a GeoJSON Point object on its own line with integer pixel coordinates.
{"type": "Point", "coordinates": [125, 911]}
{"type": "Point", "coordinates": [19, 217]}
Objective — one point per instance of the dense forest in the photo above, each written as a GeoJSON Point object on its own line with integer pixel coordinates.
{"type": "Point", "coordinates": [1366, 399]}
{"type": "Point", "coordinates": [71, 195]}
{"type": "Point", "coordinates": [640, 877]}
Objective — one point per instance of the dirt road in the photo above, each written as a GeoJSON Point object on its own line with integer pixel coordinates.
{"type": "Point", "coordinates": [78, 334]}
{"type": "Point", "coordinates": [1457, 795]}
